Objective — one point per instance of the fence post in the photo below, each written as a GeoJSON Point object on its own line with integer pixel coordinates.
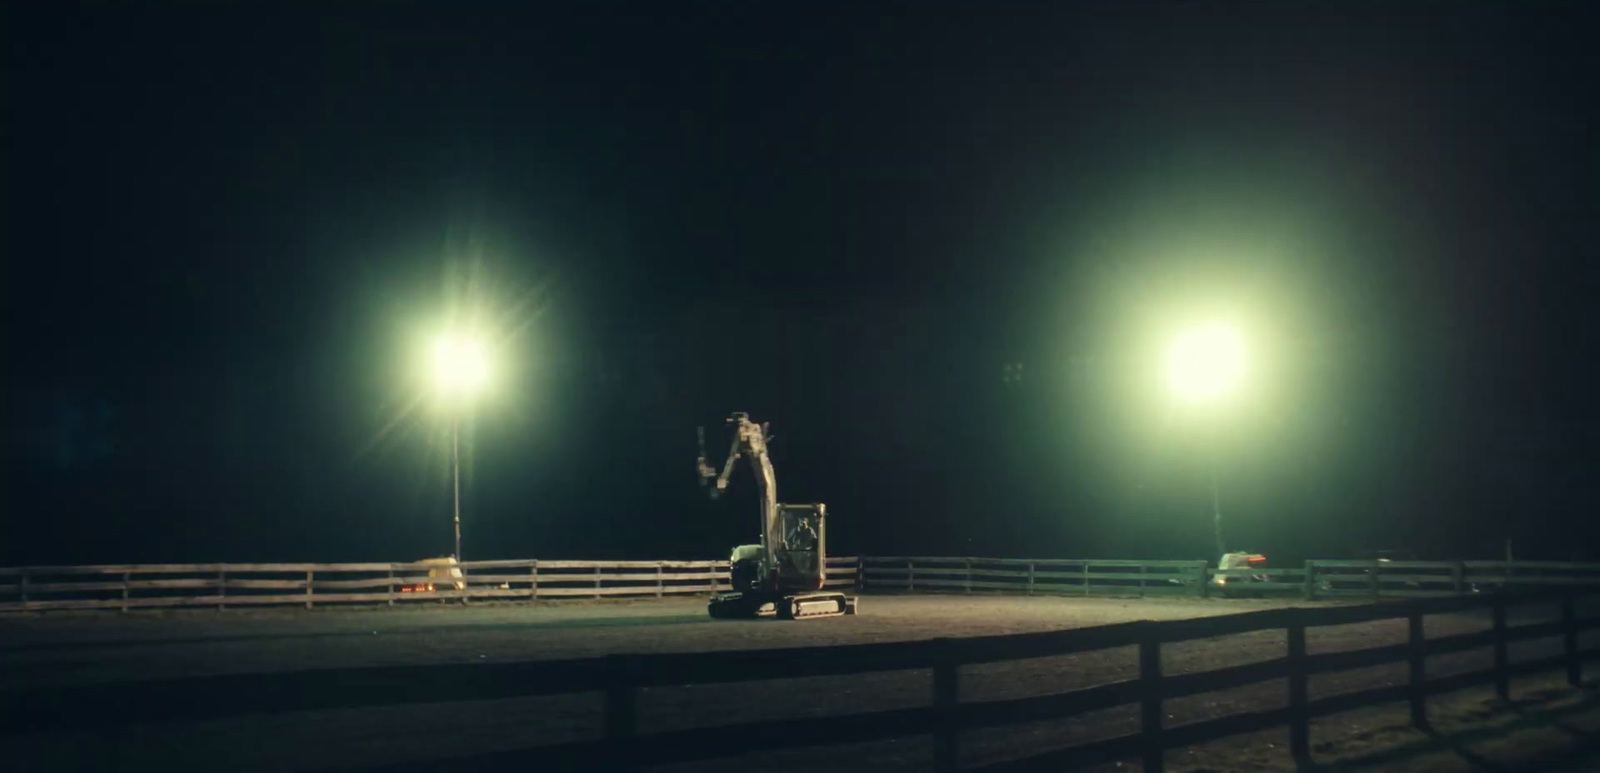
{"type": "Point", "coordinates": [861, 573]}
{"type": "Point", "coordinates": [308, 589]}
{"type": "Point", "coordinates": [1299, 714]}
{"type": "Point", "coordinates": [622, 709]}
{"type": "Point", "coordinates": [391, 585]}
{"type": "Point", "coordinates": [947, 701]}
{"type": "Point", "coordinates": [1418, 660]}
{"type": "Point", "coordinates": [1372, 577]}
{"type": "Point", "coordinates": [1086, 578]}
{"type": "Point", "coordinates": [533, 583]}
{"type": "Point", "coordinates": [911, 575]}
{"type": "Point", "coordinates": [126, 576]}
{"type": "Point", "coordinates": [1142, 570]}
{"type": "Point", "coordinates": [1030, 578]}
{"type": "Point", "coordinates": [24, 587]}
{"type": "Point", "coordinates": [660, 583]}
{"type": "Point", "coordinates": [1311, 580]}
{"type": "Point", "coordinates": [222, 588]}
{"type": "Point", "coordinates": [1569, 638]}
{"type": "Point", "coordinates": [1502, 663]}
{"type": "Point", "coordinates": [968, 564]}
{"type": "Point", "coordinates": [1458, 573]}
{"type": "Point", "coordinates": [1150, 705]}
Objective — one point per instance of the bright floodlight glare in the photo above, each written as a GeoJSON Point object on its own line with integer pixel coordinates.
{"type": "Point", "coordinates": [1206, 363]}
{"type": "Point", "coordinates": [460, 365]}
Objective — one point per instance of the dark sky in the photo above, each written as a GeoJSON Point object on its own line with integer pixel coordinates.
{"type": "Point", "coordinates": [226, 224]}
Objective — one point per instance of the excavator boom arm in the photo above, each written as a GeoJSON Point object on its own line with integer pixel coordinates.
{"type": "Point", "coordinates": [727, 467]}
{"type": "Point", "coordinates": [749, 441]}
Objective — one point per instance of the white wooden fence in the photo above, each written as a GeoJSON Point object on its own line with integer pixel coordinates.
{"type": "Point", "coordinates": [1025, 575]}
{"type": "Point", "coordinates": [135, 586]}
{"type": "Point", "coordinates": [1319, 578]}
{"type": "Point", "coordinates": [1421, 579]}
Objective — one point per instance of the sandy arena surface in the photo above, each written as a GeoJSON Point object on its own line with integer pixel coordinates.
{"type": "Point", "coordinates": [59, 649]}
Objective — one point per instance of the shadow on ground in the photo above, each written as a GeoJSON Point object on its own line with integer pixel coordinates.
{"type": "Point", "coordinates": [1567, 746]}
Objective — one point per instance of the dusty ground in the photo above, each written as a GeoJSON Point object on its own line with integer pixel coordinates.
{"type": "Point", "coordinates": [82, 648]}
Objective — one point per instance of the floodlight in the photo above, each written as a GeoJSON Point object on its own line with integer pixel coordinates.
{"type": "Point", "coordinates": [460, 365]}
{"type": "Point", "coordinates": [1206, 364]}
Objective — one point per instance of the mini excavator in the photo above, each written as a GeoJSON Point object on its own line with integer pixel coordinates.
{"type": "Point", "coordinates": [783, 576]}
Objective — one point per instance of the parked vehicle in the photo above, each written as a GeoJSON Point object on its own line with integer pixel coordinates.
{"type": "Point", "coordinates": [1236, 583]}
{"type": "Point", "coordinates": [442, 568]}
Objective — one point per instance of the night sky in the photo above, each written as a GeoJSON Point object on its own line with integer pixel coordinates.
{"type": "Point", "coordinates": [228, 226]}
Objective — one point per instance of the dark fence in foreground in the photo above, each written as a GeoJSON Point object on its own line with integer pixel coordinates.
{"type": "Point", "coordinates": [620, 678]}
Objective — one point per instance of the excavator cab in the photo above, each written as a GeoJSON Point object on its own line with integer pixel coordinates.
{"type": "Point", "coordinates": [798, 563]}
{"type": "Point", "coordinates": [799, 550]}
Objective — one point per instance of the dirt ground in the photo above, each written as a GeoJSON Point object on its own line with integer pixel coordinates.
{"type": "Point", "coordinates": [1541, 731]}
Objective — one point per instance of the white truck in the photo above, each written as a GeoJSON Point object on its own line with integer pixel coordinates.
{"type": "Point", "coordinates": [1237, 583]}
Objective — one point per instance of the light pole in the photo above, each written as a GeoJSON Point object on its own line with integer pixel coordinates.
{"type": "Point", "coordinates": [460, 370]}
{"type": "Point", "coordinates": [455, 474]}
{"type": "Point", "coordinates": [1204, 368]}
{"type": "Point", "coordinates": [1216, 513]}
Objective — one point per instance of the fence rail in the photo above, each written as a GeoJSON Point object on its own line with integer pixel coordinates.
{"type": "Point", "coordinates": [621, 677]}
{"type": "Point", "coordinates": [1318, 578]}
{"type": "Point", "coordinates": [1031, 576]}
{"type": "Point", "coordinates": [136, 586]}
{"type": "Point", "coordinates": [142, 586]}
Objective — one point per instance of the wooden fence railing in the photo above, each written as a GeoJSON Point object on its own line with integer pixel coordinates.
{"type": "Point", "coordinates": [134, 586]}
{"type": "Point", "coordinates": [1319, 578]}
{"type": "Point", "coordinates": [1423, 579]}
{"type": "Point", "coordinates": [621, 677]}
{"type": "Point", "coordinates": [1081, 577]}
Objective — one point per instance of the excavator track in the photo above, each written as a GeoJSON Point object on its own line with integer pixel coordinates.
{"type": "Point", "coordinates": [733, 606]}
{"type": "Point", "coordinates": [737, 606]}
{"type": "Point", "coordinates": [813, 605]}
